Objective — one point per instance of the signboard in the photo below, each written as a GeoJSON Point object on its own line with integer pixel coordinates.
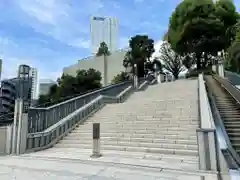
{"type": "Point", "coordinates": [98, 18]}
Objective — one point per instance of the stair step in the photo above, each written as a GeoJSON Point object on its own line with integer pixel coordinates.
{"type": "Point", "coordinates": [172, 161]}
{"type": "Point", "coordinates": [136, 128]}
{"type": "Point", "coordinates": [138, 135]}
{"type": "Point", "coordinates": [133, 131]}
{"type": "Point", "coordinates": [134, 144]}
{"type": "Point", "coordinates": [143, 140]}
{"type": "Point", "coordinates": [140, 126]}
{"type": "Point", "coordinates": [135, 122]}
{"type": "Point", "coordinates": [124, 154]}
{"type": "Point", "coordinates": [134, 149]}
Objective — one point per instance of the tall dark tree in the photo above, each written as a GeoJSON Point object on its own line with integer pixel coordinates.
{"type": "Point", "coordinates": [154, 65]}
{"type": "Point", "coordinates": [233, 59]}
{"type": "Point", "coordinates": [200, 26]}
{"type": "Point", "coordinates": [121, 77]}
{"type": "Point", "coordinates": [189, 60]}
{"type": "Point", "coordinates": [69, 86]}
{"type": "Point", "coordinates": [141, 49]}
{"type": "Point", "coordinates": [104, 51]}
{"type": "Point", "coordinates": [172, 61]}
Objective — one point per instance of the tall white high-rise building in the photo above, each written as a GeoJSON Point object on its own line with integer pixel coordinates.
{"type": "Point", "coordinates": [0, 69]}
{"type": "Point", "coordinates": [34, 90]}
{"type": "Point", "coordinates": [104, 29]}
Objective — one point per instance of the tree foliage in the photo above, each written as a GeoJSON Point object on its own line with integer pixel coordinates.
{"type": "Point", "coordinates": [172, 61]}
{"type": "Point", "coordinates": [189, 60]}
{"type": "Point", "coordinates": [121, 77]}
{"type": "Point", "coordinates": [103, 50]}
{"type": "Point", "coordinates": [201, 26]}
{"type": "Point", "coordinates": [154, 65]}
{"type": "Point", "coordinates": [233, 59]}
{"type": "Point", "coordinates": [141, 49]}
{"type": "Point", "coordinates": [69, 86]}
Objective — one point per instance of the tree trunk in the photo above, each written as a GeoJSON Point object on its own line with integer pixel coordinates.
{"type": "Point", "coordinates": [105, 64]}
{"type": "Point", "coordinates": [175, 75]}
{"type": "Point", "coordinates": [198, 57]}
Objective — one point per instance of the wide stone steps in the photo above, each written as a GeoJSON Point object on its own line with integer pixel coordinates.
{"type": "Point", "coordinates": [183, 162]}
{"type": "Point", "coordinates": [131, 148]}
{"type": "Point", "coordinates": [139, 140]}
{"type": "Point", "coordinates": [113, 127]}
{"type": "Point", "coordinates": [137, 131]}
{"type": "Point", "coordinates": [156, 127]}
{"type": "Point", "coordinates": [143, 122]}
{"type": "Point", "coordinates": [111, 153]}
{"type": "Point", "coordinates": [138, 135]}
{"type": "Point", "coordinates": [134, 144]}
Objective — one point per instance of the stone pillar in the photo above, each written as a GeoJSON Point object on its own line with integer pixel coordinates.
{"type": "Point", "coordinates": [22, 134]}
{"type": "Point", "coordinates": [135, 77]}
{"type": "Point", "coordinates": [20, 129]}
{"type": "Point", "coordinates": [214, 68]}
{"type": "Point", "coordinates": [105, 64]}
{"type": "Point", "coordinates": [221, 69]}
{"type": "Point", "coordinates": [159, 78]}
{"type": "Point", "coordinates": [96, 141]}
{"type": "Point", "coordinates": [9, 139]}
{"type": "Point", "coordinates": [17, 116]}
{"type": "Point", "coordinates": [207, 149]}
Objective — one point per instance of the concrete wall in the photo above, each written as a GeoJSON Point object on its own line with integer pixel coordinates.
{"type": "Point", "coordinates": [115, 65]}
{"type": "Point", "coordinates": [5, 139]}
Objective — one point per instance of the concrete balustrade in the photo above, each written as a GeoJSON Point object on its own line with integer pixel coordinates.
{"type": "Point", "coordinates": [206, 132]}
{"type": "Point", "coordinates": [210, 139]}
{"type": "Point", "coordinates": [5, 139]}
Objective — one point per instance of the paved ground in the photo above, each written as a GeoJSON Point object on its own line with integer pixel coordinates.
{"type": "Point", "coordinates": [28, 168]}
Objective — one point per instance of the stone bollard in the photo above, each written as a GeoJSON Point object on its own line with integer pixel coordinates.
{"type": "Point", "coordinates": [96, 141]}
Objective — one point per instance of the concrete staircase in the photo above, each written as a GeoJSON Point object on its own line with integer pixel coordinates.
{"type": "Point", "coordinates": [156, 127]}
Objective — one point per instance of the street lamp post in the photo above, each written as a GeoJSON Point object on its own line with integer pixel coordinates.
{"type": "Point", "coordinates": [135, 77]}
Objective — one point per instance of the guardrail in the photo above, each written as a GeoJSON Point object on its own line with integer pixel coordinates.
{"type": "Point", "coordinates": [235, 93]}
{"type": "Point", "coordinates": [34, 141]}
{"type": "Point", "coordinates": [231, 156]}
{"type": "Point", "coordinates": [227, 158]}
{"type": "Point", "coordinates": [206, 132]}
{"type": "Point", "coordinates": [233, 77]}
{"type": "Point", "coordinates": [43, 118]}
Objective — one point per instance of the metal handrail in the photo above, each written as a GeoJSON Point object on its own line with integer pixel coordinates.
{"type": "Point", "coordinates": [232, 158]}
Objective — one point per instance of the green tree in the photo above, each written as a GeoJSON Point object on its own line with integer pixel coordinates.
{"type": "Point", "coordinates": [141, 49]}
{"type": "Point", "coordinates": [200, 26]}
{"type": "Point", "coordinates": [233, 59]}
{"type": "Point", "coordinates": [172, 61]}
{"type": "Point", "coordinates": [104, 51]}
{"type": "Point", "coordinates": [189, 60]}
{"type": "Point", "coordinates": [154, 65]}
{"type": "Point", "coordinates": [69, 86]}
{"type": "Point", "coordinates": [121, 77]}
{"type": "Point", "coordinates": [44, 99]}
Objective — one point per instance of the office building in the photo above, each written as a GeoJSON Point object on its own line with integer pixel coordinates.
{"type": "Point", "coordinates": [45, 85]}
{"type": "Point", "coordinates": [24, 85]}
{"type": "Point", "coordinates": [0, 69]}
{"type": "Point", "coordinates": [114, 62]}
{"type": "Point", "coordinates": [8, 94]}
{"type": "Point", "coordinates": [104, 29]}
{"type": "Point", "coordinates": [34, 90]}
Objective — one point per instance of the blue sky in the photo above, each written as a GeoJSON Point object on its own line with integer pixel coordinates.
{"type": "Point", "coordinates": [52, 34]}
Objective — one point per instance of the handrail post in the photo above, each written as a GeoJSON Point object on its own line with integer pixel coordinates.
{"type": "Point", "coordinates": [135, 77]}
{"type": "Point", "coordinates": [96, 141]}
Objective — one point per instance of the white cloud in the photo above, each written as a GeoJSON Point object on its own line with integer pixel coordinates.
{"type": "Point", "coordinates": [157, 47]}
{"type": "Point", "coordinates": [81, 43]}
{"type": "Point", "coordinates": [60, 31]}
{"type": "Point", "coordinates": [53, 18]}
